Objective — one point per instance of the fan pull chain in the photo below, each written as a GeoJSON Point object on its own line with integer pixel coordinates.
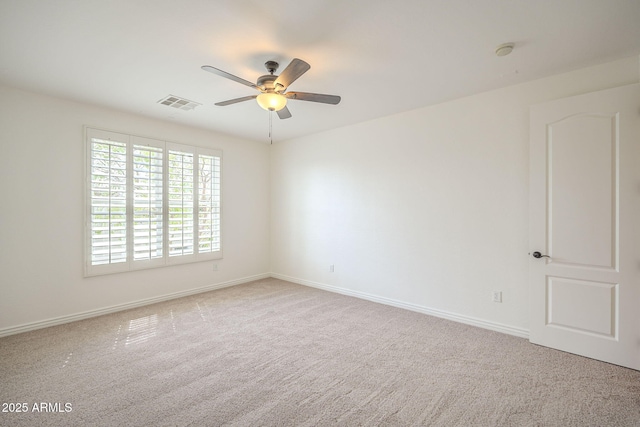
{"type": "Point", "coordinates": [270, 128]}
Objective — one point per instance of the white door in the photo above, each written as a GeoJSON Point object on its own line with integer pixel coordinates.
{"type": "Point", "coordinates": [585, 215]}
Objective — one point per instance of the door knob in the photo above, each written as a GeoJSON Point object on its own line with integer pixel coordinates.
{"type": "Point", "coordinates": [539, 255]}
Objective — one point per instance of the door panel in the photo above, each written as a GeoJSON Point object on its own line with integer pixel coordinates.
{"type": "Point", "coordinates": [582, 155]}
{"type": "Point", "coordinates": [596, 313]}
{"type": "Point", "coordinates": [585, 215]}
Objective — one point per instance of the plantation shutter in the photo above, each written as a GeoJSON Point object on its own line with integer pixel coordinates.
{"type": "Point", "coordinates": [181, 201]}
{"type": "Point", "coordinates": [108, 201]}
{"type": "Point", "coordinates": [148, 217]}
{"type": "Point", "coordinates": [194, 202]}
{"type": "Point", "coordinates": [150, 203]}
{"type": "Point", "coordinates": [208, 203]}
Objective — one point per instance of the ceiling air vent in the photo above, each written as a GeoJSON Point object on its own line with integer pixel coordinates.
{"type": "Point", "coordinates": [179, 103]}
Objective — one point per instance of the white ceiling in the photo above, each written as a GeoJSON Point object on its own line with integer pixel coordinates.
{"type": "Point", "coordinates": [382, 57]}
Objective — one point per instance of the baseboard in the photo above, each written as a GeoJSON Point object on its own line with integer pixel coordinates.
{"type": "Point", "coordinates": [493, 326]}
{"type": "Point", "coordinates": [498, 327]}
{"type": "Point", "coordinates": [121, 307]}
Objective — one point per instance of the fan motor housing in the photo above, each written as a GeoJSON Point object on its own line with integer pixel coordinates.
{"type": "Point", "coordinates": [266, 82]}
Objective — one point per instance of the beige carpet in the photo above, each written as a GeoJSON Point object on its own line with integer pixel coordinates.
{"type": "Point", "coordinates": [272, 353]}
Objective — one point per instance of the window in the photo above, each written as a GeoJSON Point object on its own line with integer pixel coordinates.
{"type": "Point", "coordinates": [149, 203]}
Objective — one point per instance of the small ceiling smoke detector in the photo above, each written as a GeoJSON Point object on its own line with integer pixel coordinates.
{"type": "Point", "coordinates": [179, 103]}
{"type": "Point", "coordinates": [504, 49]}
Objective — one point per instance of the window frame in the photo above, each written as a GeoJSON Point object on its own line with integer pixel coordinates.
{"type": "Point", "coordinates": [130, 264]}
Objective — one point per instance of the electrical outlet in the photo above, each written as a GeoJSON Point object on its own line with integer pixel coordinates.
{"type": "Point", "coordinates": [331, 268]}
{"type": "Point", "coordinates": [215, 267]}
{"type": "Point", "coordinates": [497, 296]}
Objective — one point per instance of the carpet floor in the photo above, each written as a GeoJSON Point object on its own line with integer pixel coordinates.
{"type": "Point", "coordinates": [273, 353]}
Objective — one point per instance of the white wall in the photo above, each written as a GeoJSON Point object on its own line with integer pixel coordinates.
{"type": "Point", "coordinates": [41, 212]}
{"type": "Point", "coordinates": [427, 209]}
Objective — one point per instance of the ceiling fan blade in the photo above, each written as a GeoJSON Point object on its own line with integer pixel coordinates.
{"type": "Point", "coordinates": [284, 113]}
{"type": "Point", "coordinates": [295, 69]}
{"type": "Point", "coordinates": [236, 100]}
{"type": "Point", "coordinates": [314, 97]}
{"type": "Point", "coordinates": [228, 76]}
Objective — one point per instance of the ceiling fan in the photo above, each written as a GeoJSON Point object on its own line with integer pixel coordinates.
{"type": "Point", "coordinates": [273, 88]}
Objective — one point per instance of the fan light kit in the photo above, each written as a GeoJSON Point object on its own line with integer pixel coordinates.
{"type": "Point", "coordinates": [273, 89]}
{"type": "Point", "coordinates": [272, 101]}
